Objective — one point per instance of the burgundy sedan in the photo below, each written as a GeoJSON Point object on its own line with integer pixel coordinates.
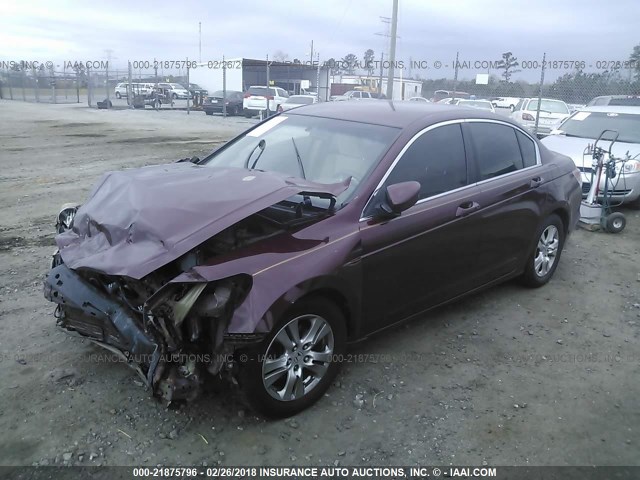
{"type": "Point", "coordinates": [315, 228]}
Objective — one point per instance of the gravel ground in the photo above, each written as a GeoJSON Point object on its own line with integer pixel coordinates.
{"type": "Point", "coordinates": [510, 376]}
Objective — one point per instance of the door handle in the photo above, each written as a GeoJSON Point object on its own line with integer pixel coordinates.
{"type": "Point", "coordinates": [466, 208]}
{"type": "Point", "coordinates": [535, 182]}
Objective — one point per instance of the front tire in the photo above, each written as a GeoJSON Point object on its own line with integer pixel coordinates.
{"type": "Point", "coordinates": [542, 263]}
{"type": "Point", "coordinates": [296, 363]}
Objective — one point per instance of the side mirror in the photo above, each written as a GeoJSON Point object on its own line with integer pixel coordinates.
{"type": "Point", "coordinates": [400, 197]}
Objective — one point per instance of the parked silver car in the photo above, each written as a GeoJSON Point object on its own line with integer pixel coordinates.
{"type": "Point", "coordinates": [578, 132]}
{"type": "Point", "coordinates": [552, 113]}
{"type": "Point", "coordinates": [297, 101]}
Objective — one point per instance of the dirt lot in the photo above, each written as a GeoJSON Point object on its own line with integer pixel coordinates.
{"type": "Point", "coordinates": [508, 377]}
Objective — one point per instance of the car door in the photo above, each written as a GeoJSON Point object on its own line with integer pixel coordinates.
{"type": "Point", "coordinates": [509, 176]}
{"type": "Point", "coordinates": [428, 254]}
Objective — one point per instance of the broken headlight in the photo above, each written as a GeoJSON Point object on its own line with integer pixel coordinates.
{"type": "Point", "coordinates": [65, 218]}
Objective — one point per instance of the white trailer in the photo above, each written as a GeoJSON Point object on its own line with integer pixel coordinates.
{"type": "Point", "coordinates": [209, 75]}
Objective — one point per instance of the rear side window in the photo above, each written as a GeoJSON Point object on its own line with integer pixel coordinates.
{"type": "Point", "coordinates": [496, 149]}
{"type": "Point", "coordinates": [528, 150]}
{"type": "Point", "coordinates": [436, 160]}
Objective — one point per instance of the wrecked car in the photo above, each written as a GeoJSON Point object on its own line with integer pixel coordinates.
{"type": "Point", "coordinates": [311, 230]}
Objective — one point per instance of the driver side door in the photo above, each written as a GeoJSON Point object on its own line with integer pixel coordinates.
{"type": "Point", "coordinates": [429, 253]}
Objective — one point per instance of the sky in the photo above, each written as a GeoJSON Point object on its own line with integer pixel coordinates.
{"type": "Point", "coordinates": [428, 30]}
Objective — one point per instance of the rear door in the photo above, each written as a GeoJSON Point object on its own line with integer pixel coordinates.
{"type": "Point", "coordinates": [428, 254]}
{"type": "Point", "coordinates": [509, 176]}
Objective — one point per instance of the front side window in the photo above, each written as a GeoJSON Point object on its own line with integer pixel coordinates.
{"type": "Point", "coordinates": [436, 160]}
{"type": "Point", "coordinates": [496, 149]}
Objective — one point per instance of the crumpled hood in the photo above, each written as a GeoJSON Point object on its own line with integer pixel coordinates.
{"type": "Point", "coordinates": [136, 221]}
{"type": "Point", "coordinates": [574, 147]}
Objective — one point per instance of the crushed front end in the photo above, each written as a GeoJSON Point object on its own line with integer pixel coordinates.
{"type": "Point", "coordinates": [172, 334]}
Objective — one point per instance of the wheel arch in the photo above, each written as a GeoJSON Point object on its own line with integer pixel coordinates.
{"type": "Point", "coordinates": [335, 289]}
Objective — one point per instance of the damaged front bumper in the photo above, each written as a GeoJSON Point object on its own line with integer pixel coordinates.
{"type": "Point", "coordinates": [173, 340]}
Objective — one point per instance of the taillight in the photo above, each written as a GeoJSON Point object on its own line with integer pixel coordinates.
{"type": "Point", "coordinates": [529, 117]}
{"type": "Point", "coordinates": [269, 97]}
{"type": "Point", "coordinates": [247, 95]}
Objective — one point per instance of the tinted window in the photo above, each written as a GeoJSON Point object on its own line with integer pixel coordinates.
{"type": "Point", "coordinates": [436, 160]}
{"type": "Point", "coordinates": [528, 149]}
{"type": "Point", "coordinates": [496, 149]}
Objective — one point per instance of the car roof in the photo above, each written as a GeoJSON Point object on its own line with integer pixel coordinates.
{"type": "Point", "coordinates": [612, 109]}
{"type": "Point", "coordinates": [615, 96]}
{"type": "Point", "coordinates": [392, 114]}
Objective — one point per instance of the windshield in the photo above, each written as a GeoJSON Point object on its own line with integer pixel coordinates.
{"type": "Point", "coordinates": [552, 106]}
{"type": "Point", "coordinates": [330, 150]}
{"type": "Point", "coordinates": [299, 99]}
{"type": "Point", "coordinates": [177, 85]}
{"type": "Point", "coordinates": [591, 125]}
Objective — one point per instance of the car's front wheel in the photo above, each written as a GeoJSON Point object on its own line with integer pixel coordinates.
{"type": "Point", "coordinates": [295, 364]}
{"type": "Point", "coordinates": [542, 263]}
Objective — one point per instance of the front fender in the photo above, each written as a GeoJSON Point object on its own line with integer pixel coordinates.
{"type": "Point", "coordinates": [280, 279]}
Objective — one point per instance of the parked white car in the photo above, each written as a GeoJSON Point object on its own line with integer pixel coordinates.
{"type": "Point", "coordinates": [121, 90]}
{"type": "Point", "coordinates": [479, 104]}
{"type": "Point", "coordinates": [295, 101]}
{"type": "Point", "coordinates": [552, 113]}
{"type": "Point", "coordinates": [256, 99]}
{"type": "Point", "coordinates": [505, 102]}
{"type": "Point", "coordinates": [177, 90]}
{"type": "Point", "coordinates": [351, 95]}
{"type": "Point", "coordinates": [419, 99]}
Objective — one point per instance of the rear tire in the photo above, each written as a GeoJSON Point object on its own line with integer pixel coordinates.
{"type": "Point", "coordinates": [544, 259]}
{"type": "Point", "coordinates": [287, 373]}
{"type": "Point", "coordinates": [248, 114]}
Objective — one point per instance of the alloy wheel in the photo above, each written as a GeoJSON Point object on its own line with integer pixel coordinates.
{"type": "Point", "coordinates": [298, 357]}
{"type": "Point", "coordinates": [546, 251]}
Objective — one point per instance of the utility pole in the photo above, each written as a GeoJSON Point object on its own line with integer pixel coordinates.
{"type": "Point", "coordinates": [386, 33]}
{"type": "Point", "coordinates": [381, 70]}
{"type": "Point", "coordinates": [392, 53]}
{"type": "Point", "coordinates": [311, 55]}
{"type": "Point", "coordinates": [199, 42]}
{"type": "Point", "coordinates": [455, 76]}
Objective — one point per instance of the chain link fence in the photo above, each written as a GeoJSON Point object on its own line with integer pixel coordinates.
{"type": "Point", "coordinates": [507, 83]}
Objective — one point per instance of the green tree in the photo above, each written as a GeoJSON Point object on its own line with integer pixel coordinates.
{"type": "Point", "coordinates": [368, 61]}
{"type": "Point", "coordinates": [349, 63]}
{"type": "Point", "coordinates": [508, 63]}
{"type": "Point", "coordinates": [634, 58]}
